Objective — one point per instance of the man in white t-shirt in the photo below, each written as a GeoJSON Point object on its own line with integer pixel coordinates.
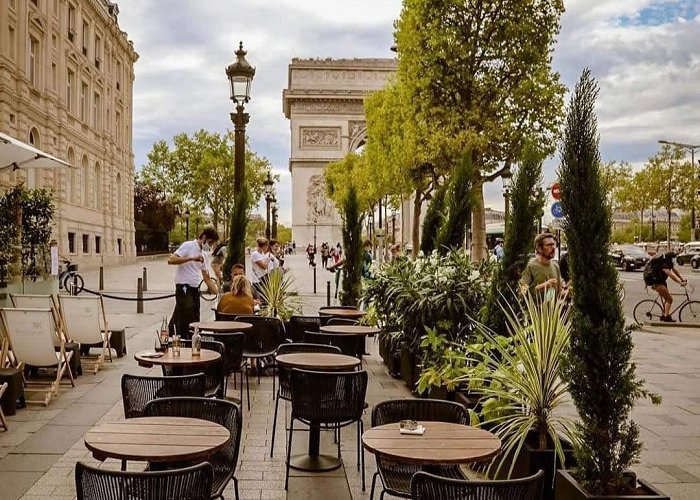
{"type": "Point", "coordinates": [191, 270]}
{"type": "Point", "coordinates": [261, 263]}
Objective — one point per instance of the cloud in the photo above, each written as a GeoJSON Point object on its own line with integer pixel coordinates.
{"type": "Point", "coordinates": [641, 51]}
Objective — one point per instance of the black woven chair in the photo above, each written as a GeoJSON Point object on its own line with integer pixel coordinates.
{"type": "Point", "coordinates": [190, 483]}
{"type": "Point", "coordinates": [300, 324]}
{"type": "Point", "coordinates": [342, 321]}
{"type": "Point", "coordinates": [222, 316]}
{"type": "Point", "coordinates": [396, 475]}
{"type": "Point", "coordinates": [262, 340]}
{"type": "Point", "coordinates": [138, 390]}
{"type": "Point", "coordinates": [426, 486]}
{"type": "Point", "coordinates": [219, 411]}
{"type": "Point", "coordinates": [350, 345]}
{"type": "Point", "coordinates": [330, 399]}
{"type": "Point", "coordinates": [233, 343]}
{"type": "Point", "coordinates": [284, 391]}
{"type": "Point", "coordinates": [325, 318]}
{"type": "Point", "coordinates": [214, 371]}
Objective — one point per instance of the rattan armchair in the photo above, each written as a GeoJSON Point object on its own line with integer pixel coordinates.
{"type": "Point", "coordinates": [219, 411]}
{"type": "Point", "coordinates": [233, 362]}
{"type": "Point", "coordinates": [214, 371]}
{"type": "Point", "coordinates": [396, 475]}
{"type": "Point", "coordinates": [190, 483]}
{"type": "Point", "coordinates": [284, 391]}
{"type": "Point", "coordinates": [350, 345]}
{"type": "Point", "coordinates": [300, 324]}
{"type": "Point", "coordinates": [426, 486]}
{"type": "Point", "coordinates": [137, 390]}
{"type": "Point", "coordinates": [330, 399]}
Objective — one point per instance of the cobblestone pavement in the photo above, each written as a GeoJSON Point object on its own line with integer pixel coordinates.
{"type": "Point", "coordinates": [38, 454]}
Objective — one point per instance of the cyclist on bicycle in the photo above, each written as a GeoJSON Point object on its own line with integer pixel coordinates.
{"type": "Point", "coordinates": [657, 271]}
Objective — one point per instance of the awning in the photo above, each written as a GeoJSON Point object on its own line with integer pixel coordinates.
{"type": "Point", "coordinates": [16, 154]}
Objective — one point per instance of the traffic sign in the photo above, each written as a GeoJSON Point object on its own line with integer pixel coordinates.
{"type": "Point", "coordinates": [556, 192]}
{"type": "Point", "coordinates": [557, 210]}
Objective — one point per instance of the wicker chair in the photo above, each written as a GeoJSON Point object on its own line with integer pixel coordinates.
{"type": "Point", "coordinates": [214, 371]}
{"type": "Point", "coordinates": [330, 399]}
{"type": "Point", "coordinates": [191, 483]}
{"type": "Point", "coordinates": [426, 486]}
{"type": "Point", "coordinates": [395, 475]}
{"type": "Point", "coordinates": [222, 316]}
{"type": "Point", "coordinates": [3, 422]}
{"type": "Point", "coordinates": [350, 345]}
{"type": "Point", "coordinates": [300, 324]}
{"type": "Point", "coordinates": [138, 390]}
{"type": "Point", "coordinates": [233, 363]}
{"type": "Point", "coordinates": [342, 321]}
{"type": "Point", "coordinates": [284, 391]}
{"type": "Point", "coordinates": [219, 411]}
{"type": "Point", "coordinates": [262, 340]}
{"type": "Point", "coordinates": [325, 318]}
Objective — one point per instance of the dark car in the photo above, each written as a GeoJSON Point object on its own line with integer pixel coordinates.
{"type": "Point", "coordinates": [629, 257]}
{"type": "Point", "coordinates": [695, 262]}
{"type": "Point", "coordinates": [690, 250]}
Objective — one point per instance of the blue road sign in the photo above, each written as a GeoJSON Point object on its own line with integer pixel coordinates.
{"type": "Point", "coordinates": [557, 210]}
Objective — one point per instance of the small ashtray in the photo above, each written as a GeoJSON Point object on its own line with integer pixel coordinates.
{"type": "Point", "coordinates": [408, 425]}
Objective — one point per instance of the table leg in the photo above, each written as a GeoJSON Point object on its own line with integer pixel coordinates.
{"type": "Point", "coordinates": [314, 461]}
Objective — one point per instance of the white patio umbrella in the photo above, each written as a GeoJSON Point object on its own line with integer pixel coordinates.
{"type": "Point", "coordinates": [16, 154]}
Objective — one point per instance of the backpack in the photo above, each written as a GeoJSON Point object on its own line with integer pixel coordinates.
{"type": "Point", "coordinates": [652, 270]}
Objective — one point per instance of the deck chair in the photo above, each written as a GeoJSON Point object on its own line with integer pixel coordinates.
{"type": "Point", "coordinates": [31, 340]}
{"type": "Point", "coordinates": [86, 323]}
{"type": "Point", "coordinates": [25, 301]}
{"type": "Point", "coordinates": [3, 422]}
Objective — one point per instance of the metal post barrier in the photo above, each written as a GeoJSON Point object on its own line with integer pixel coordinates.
{"type": "Point", "coordinates": [145, 279]}
{"type": "Point", "coordinates": [75, 285]}
{"type": "Point", "coordinates": [139, 296]}
{"type": "Point", "coordinates": [328, 293]}
{"type": "Point", "coordinates": [102, 278]}
{"type": "Point", "coordinates": [314, 279]}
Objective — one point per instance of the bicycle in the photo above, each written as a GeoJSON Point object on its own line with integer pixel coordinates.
{"type": "Point", "coordinates": [69, 278]}
{"type": "Point", "coordinates": [652, 310]}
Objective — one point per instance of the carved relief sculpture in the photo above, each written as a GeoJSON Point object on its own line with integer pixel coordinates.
{"type": "Point", "coordinates": [320, 138]}
{"type": "Point", "coordinates": [318, 205]}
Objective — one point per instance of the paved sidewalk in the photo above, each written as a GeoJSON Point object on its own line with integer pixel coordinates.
{"type": "Point", "coordinates": [38, 454]}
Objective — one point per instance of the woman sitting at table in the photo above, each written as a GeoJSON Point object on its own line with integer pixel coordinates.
{"type": "Point", "coordinates": [239, 300]}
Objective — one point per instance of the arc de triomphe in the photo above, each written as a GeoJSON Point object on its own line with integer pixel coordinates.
{"type": "Point", "coordinates": [323, 102]}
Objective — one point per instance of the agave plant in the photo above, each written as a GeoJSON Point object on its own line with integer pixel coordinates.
{"type": "Point", "coordinates": [279, 298]}
{"type": "Point", "coordinates": [522, 379]}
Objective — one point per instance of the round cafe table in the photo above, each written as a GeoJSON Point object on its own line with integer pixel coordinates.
{"type": "Point", "coordinates": [442, 443]}
{"type": "Point", "coordinates": [342, 313]}
{"type": "Point", "coordinates": [221, 326]}
{"type": "Point", "coordinates": [156, 439]}
{"type": "Point", "coordinates": [313, 460]}
{"type": "Point", "coordinates": [179, 363]}
{"type": "Point", "coordinates": [366, 331]}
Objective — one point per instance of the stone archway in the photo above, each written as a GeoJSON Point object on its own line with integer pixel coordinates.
{"type": "Point", "coordinates": [324, 103]}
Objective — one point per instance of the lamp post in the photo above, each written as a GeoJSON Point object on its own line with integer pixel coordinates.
{"type": "Point", "coordinates": [507, 177]}
{"type": "Point", "coordinates": [268, 186]}
{"type": "Point", "coordinates": [653, 225]}
{"type": "Point", "coordinates": [692, 148]}
{"type": "Point", "coordinates": [240, 75]}
{"type": "Point", "coordinates": [187, 224]}
{"type": "Point", "coordinates": [273, 207]}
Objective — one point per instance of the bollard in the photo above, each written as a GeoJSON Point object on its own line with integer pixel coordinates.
{"type": "Point", "coordinates": [102, 278]}
{"type": "Point", "coordinates": [145, 279]}
{"type": "Point", "coordinates": [314, 280]}
{"type": "Point", "coordinates": [328, 293]}
{"type": "Point", "coordinates": [139, 296]}
{"type": "Point", "coordinates": [75, 285]}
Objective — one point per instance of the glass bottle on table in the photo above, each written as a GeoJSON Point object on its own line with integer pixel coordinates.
{"type": "Point", "coordinates": [196, 342]}
{"type": "Point", "coordinates": [176, 343]}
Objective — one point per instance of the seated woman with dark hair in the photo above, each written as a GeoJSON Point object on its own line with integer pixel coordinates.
{"type": "Point", "coordinates": [239, 300]}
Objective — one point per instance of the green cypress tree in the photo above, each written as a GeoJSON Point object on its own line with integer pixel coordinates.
{"type": "Point", "coordinates": [434, 216]}
{"type": "Point", "coordinates": [602, 379]}
{"type": "Point", "coordinates": [526, 207]}
{"type": "Point", "coordinates": [458, 206]}
{"type": "Point", "coordinates": [352, 244]}
{"type": "Point", "coordinates": [237, 232]}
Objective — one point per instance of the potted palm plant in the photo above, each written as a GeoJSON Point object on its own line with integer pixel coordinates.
{"type": "Point", "coordinates": [279, 299]}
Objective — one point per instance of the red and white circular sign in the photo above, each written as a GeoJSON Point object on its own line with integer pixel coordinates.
{"type": "Point", "coordinates": [556, 193]}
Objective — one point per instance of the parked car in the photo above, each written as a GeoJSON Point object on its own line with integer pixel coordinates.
{"type": "Point", "coordinates": [629, 257]}
{"type": "Point", "coordinates": [689, 251]}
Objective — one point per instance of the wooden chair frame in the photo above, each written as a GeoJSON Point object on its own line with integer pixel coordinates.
{"type": "Point", "coordinates": [42, 302]}
{"type": "Point", "coordinates": [99, 360]}
{"type": "Point", "coordinates": [3, 422]}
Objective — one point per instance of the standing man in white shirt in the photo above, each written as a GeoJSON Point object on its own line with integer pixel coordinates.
{"type": "Point", "coordinates": [191, 269]}
{"type": "Point", "coordinates": [261, 263]}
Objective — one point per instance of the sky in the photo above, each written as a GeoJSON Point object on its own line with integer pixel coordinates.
{"type": "Point", "coordinates": [642, 52]}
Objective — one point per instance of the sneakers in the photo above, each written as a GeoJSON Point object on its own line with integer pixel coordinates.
{"type": "Point", "coordinates": [667, 319]}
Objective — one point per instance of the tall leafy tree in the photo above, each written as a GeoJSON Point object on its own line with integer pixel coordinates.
{"type": "Point", "coordinates": [479, 76]}
{"type": "Point", "coordinates": [154, 215]}
{"type": "Point", "coordinates": [434, 216]}
{"type": "Point", "coordinates": [602, 379]}
{"type": "Point", "coordinates": [239, 220]}
{"type": "Point", "coordinates": [352, 245]}
{"type": "Point", "coordinates": [458, 208]}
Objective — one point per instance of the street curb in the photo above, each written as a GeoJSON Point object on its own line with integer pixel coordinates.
{"type": "Point", "coordinates": [663, 324]}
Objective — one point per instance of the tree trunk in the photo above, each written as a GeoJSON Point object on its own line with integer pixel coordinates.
{"type": "Point", "coordinates": [479, 250]}
{"type": "Point", "coordinates": [415, 234]}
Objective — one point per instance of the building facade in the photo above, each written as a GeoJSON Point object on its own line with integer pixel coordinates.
{"type": "Point", "coordinates": [66, 87]}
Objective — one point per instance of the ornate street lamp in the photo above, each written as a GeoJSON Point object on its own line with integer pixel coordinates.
{"type": "Point", "coordinates": [240, 75]}
{"type": "Point", "coordinates": [507, 177]}
{"type": "Point", "coordinates": [268, 186]}
{"type": "Point", "coordinates": [273, 207]}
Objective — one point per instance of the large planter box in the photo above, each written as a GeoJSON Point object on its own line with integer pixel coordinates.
{"type": "Point", "coordinates": [567, 488]}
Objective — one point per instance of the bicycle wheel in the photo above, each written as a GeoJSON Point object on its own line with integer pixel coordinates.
{"type": "Point", "coordinates": [74, 281]}
{"type": "Point", "coordinates": [647, 310]}
{"type": "Point", "coordinates": [690, 312]}
{"type": "Point", "coordinates": [204, 291]}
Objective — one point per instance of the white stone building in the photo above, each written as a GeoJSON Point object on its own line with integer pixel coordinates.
{"type": "Point", "coordinates": [66, 80]}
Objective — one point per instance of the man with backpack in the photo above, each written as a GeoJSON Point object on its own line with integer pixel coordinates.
{"type": "Point", "coordinates": [656, 273]}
